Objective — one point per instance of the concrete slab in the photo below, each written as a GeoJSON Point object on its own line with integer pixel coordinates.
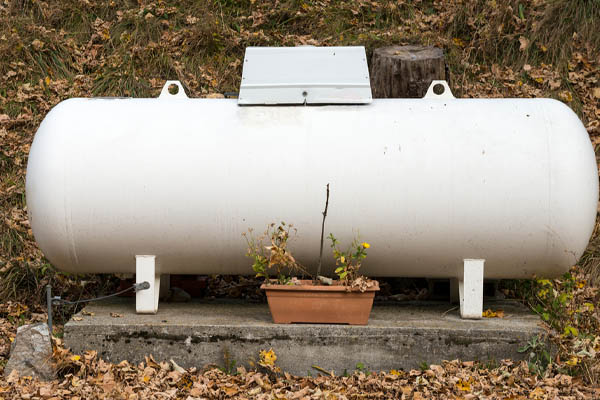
{"type": "Point", "coordinates": [398, 335]}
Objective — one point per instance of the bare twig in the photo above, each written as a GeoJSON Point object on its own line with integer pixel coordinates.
{"type": "Point", "coordinates": [330, 373]}
{"type": "Point", "coordinates": [447, 311]}
{"type": "Point", "coordinates": [323, 232]}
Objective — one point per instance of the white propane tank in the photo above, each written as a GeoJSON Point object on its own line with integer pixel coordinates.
{"type": "Point", "coordinates": [427, 182]}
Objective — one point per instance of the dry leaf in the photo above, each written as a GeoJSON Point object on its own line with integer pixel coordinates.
{"type": "Point", "coordinates": [464, 386]}
{"type": "Point", "coordinates": [524, 43]}
{"type": "Point", "coordinates": [566, 96]}
{"type": "Point", "coordinates": [493, 314]}
{"type": "Point", "coordinates": [230, 390]}
{"type": "Point", "coordinates": [267, 358]}
{"type": "Point", "coordinates": [37, 44]}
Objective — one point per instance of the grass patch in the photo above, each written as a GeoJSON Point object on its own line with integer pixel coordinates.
{"type": "Point", "coordinates": [562, 25]}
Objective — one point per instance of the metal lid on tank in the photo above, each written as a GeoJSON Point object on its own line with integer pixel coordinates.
{"type": "Point", "coordinates": [305, 75]}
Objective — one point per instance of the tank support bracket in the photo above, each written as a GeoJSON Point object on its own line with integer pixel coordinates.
{"type": "Point", "coordinates": [146, 301]}
{"type": "Point", "coordinates": [470, 287]}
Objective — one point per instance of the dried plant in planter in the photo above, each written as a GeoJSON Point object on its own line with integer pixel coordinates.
{"type": "Point", "coordinates": [274, 256]}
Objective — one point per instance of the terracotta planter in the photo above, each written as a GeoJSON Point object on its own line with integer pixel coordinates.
{"type": "Point", "coordinates": [307, 303]}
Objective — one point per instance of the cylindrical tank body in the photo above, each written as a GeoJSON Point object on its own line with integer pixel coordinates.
{"type": "Point", "coordinates": [427, 182]}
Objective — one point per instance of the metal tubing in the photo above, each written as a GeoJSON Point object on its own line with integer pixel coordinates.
{"type": "Point", "coordinates": [49, 305]}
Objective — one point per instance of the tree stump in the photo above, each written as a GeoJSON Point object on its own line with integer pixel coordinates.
{"type": "Point", "coordinates": [406, 71]}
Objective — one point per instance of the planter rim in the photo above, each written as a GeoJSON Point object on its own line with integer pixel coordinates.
{"type": "Point", "coordinates": [307, 286]}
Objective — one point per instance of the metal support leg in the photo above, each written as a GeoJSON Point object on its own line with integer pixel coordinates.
{"type": "Point", "coordinates": [470, 287]}
{"type": "Point", "coordinates": [146, 301]}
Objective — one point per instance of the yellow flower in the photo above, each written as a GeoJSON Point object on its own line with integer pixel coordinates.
{"type": "Point", "coordinates": [366, 245]}
{"type": "Point", "coordinates": [573, 361]}
{"type": "Point", "coordinates": [342, 259]}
